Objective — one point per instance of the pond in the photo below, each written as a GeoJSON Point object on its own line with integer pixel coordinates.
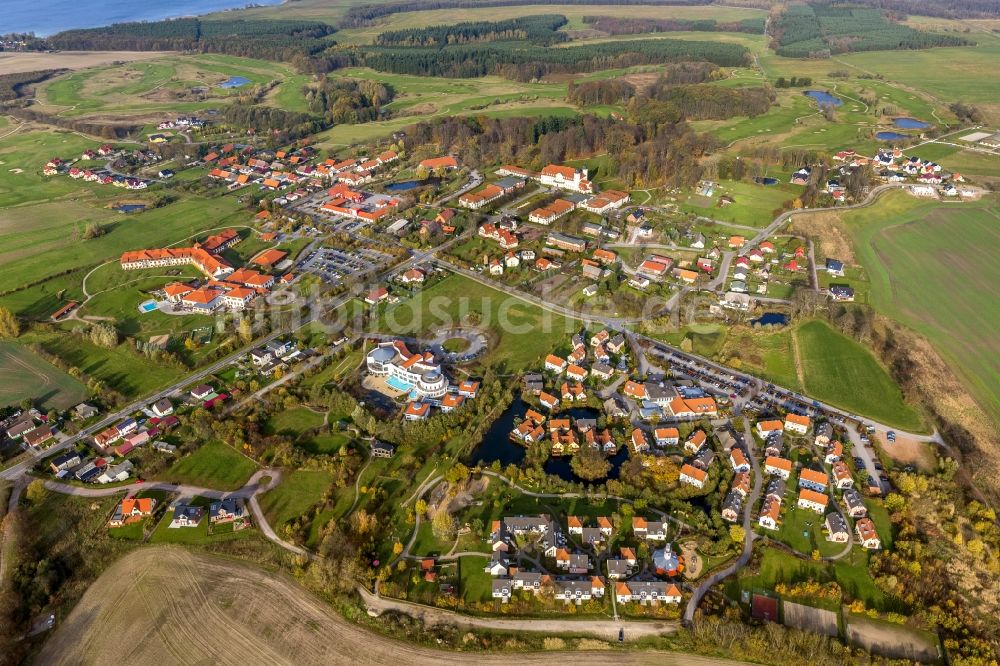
{"type": "Point", "coordinates": [823, 98]}
{"type": "Point", "coordinates": [771, 319]}
{"type": "Point", "coordinates": [405, 185]}
{"type": "Point", "coordinates": [890, 136]}
{"type": "Point", "coordinates": [766, 181]}
{"type": "Point", "coordinates": [497, 446]}
{"type": "Point", "coordinates": [130, 208]}
{"type": "Point", "coordinates": [910, 123]}
{"type": "Point", "coordinates": [234, 82]}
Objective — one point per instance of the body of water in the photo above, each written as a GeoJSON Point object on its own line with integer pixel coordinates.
{"type": "Point", "coordinates": [497, 445]}
{"type": "Point", "coordinates": [890, 136]}
{"type": "Point", "coordinates": [405, 185]}
{"type": "Point", "coordinates": [824, 98]}
{"type": "Point", "coordinates": [130, 208]}
{"type": "Point", "coordinates": [234, 82]}
{"type": "Point", "coordinates": [909, 123]}
{"type": "Point", "coordinates": [766, 181]}
{"type": "Point", "coordinates": [47, 17]}
{"type": "Point", "coordinates": [771, 319]}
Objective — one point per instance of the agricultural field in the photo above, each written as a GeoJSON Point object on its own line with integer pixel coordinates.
{"type": "Point", "coordinates": [214, 465]}
{"type": "Point", "coordinates": [521, 333]}
{"type": "Point", "coordinates": [840, 371]}
{"type": "Point", "coordinates": [932, 269]}
{"type": "Point", "coordinates": [23, 374]}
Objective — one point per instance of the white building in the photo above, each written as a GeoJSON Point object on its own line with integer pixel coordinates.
{"type": "Point", "coordinates": [417, 372]}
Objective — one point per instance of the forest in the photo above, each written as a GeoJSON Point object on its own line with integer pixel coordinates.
{"type": "Point", "coordinates": [11, 85]}
{"type": "Point", "coordinates": [364, 15]}
{"type": "Point", "coordinates": [820, 30]}
{"type": "Point", "coordinates": [528, 62]}
{"type": "Point", "coordinates": [609, 91]}
{"type": "Point", "coordinates": [281, 127]}
{"type": "Point", "coordinates": [647, 154]}
{"type": "Point", "coordinates": [541, 29]}
{"type": "Point", "coordinates": [264, 39]}
{"type": "Point", "coordinates": [941, 8]}
{"type": "Point", "coordinates": [614, 25]}
{"type": "Point", "coordinates": [706, 102]}
{"type": "Point", "coordinates": [347, 101]}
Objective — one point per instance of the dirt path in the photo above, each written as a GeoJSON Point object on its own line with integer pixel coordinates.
{"type": "Point", "coordinates": [797, 357]}
{"type": "Point", "coordinates": [165, 605]}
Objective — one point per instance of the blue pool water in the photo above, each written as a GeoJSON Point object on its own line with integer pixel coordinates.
{"type": "Point", "coordinates": [398, 384]}
{"type": "Point", "coordinates": [910, 123]}
{"type": "Point", "coordinates": [889, 136]}
{"type": "Point", "coordinates": [234, 82]}
{"type": "Point", "coordinates": [766, 181]}
{"type": "Point", "coordinates": [147, 306]}
{"type": "Point", "coordinates": [405, 185]}
{"type": "Point", "coordinates": [824, 98]}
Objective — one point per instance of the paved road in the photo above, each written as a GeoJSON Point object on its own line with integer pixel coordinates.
{"type": "Point", "coordinates": [703, 587]}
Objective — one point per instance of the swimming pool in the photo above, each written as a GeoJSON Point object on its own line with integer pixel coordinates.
{"type": "Point", "coordinates": [398, 384]}
{"type": "Point", "coordinates": [147, 306]}
{"type": "Point", "coordinates": [234, 82]}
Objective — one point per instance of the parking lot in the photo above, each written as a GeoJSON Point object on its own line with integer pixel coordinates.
{"type": "Point", "coordinates": [332, 265]}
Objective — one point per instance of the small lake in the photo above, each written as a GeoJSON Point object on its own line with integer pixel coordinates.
{"type": "Point", "coordinates": [824, 98]}
{"type": "Point", "coordinates": [771, 319]}
{"type": "Point", "coordinates": [890, 136]}
{"type": "Point", "coordinates": [909, 123]}
{"type": "Point", "coordinates": [405, 185]}
{"type": "Point", "coordinates": [130, 208]}
{"type": "Point", "coordinates": [234, 82]}
{"type": "Point", "coordinates": [497, 445]}
{"type": "Point", "coordinates": [766, 181]}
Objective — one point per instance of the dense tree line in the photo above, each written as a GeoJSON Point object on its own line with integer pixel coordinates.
{"type": "Point", "coordinates": [540, 29]}
{"type": "Point", "coordinates": [528, 62]}
{"type": "Point", "coordinates": [280, 126]}
{"type": "Point", "coordinates": [653, 150]}
{"type": "Point", "coordinates": [707, 102]}
{"type": "Point", "coordinates": [614, 25]}
{"type": "Point", "coordinates": [819, 30]}
{"type": "Point", "coordinates": [12, 85]}
{"type": "Point", "coordinates": [265, 39]}
{"type": "Point", "coordinates": [363, 15]}
{"type": "Point", "coordinates": [92, 127]}
{"type": "Point", "coordinates": [793, 82]}
{"type": "Point", "coordinates": [348, 101]}
{"type": "Point", "coordinates": [941, 8]}
{"type": "Point", "coordinates": [608, 91]}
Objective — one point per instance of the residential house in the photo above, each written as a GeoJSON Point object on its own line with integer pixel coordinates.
{"type": "Point", "coordinates": [186, 515]}
{"type": "Point", "coordinates": [64, 461]}
{"type": "Point", "coordinates": [131, 509]}
{"type": "Point", "coordinates": [781, 467]}
{"type": "Point", "coordinates": [812, 500]}
{"type": "Point", "coordinates": [382, 450]}
{"type": "Point", "coordinates": [695, 441]}
{"type": "Point", "coordinates": [163, 407]}
{"type": "Point", "coordinates": [555, 364]}
{"type": "Point", "coordinates": [842, 476]}
{"type": "Point", "coordinates": [618, 569]}
{"type": "Point", "coordinates": [854, 504]}
{"type": "Point", "coordinates": [738, 460]}
{"type": "Point", "coordinates": [704, 458]}
{"type": "Point", "coordinates": [797, 424]}
{"type": "Point", "coordinates": [833, 452]}
{"type": "Point", "coordinates": [38, 436]}
{"type": "Point", "coordinates": [227, 510]}
{"type": "Point", "coordinates": [114, 474]}
{"type": "Point", "coordinates": [578, 591]}
{"type": "Point", "coordinates": [693, 476]}
{"type": "Point", "coordinates": [813, 479]}
{"type": "Point", "coordinates": [770, 513]}
{"type": "Point", "coordinates": [647, 592]}
{"type": "Point", "coordinates": [867, 534]}
{"type": "Point", "coordinates": [666, 436]}
{"type": "Point", "coordinates": [501, 589]}
{"type": "Point", "coordinates": [639, 443]}
{"type": "Point", "coordinates": [837, 529]}
{"type": "Point", "coordinates": [417, 411]}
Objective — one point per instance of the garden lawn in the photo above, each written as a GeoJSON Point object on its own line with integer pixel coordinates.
{"type": "Point", "coordinates": [474, 583]}
{"type": "Point", "coordinates": [523, 333]}
{"type": "Point", "coordinates": [214, 465]}
{"type": "Point", "coordinates": [298, 492]}
{"type": "Point", "coordinates": [293, 422]}
{"type": "Point", "coordinates": [840, 371]}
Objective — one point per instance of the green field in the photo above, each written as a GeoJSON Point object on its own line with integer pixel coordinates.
{"type": "Point", "coordinates": [840, 371]}
{"type": "Point", "coordinates": [753, 205]}
{"type": "Point", "coordinates": [24, 375]}
{"type": "Point", "coordinates": [522, 333]}
{"type": "Point", "coordinates": [297, 493]}
{"type": "Point", "coordinates": [214, 465]}
{"type": "Point", "coordinates": [932, 269]}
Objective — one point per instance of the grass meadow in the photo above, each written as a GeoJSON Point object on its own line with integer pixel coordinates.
{"type": "Point", "coordinates": [521, 333]}
{"type": "Point", "coordinates": [297, 493]}
{"type": "Point", "coordinates": [214, 465]}
{"type": "Point", "coordinates": [23, 374]}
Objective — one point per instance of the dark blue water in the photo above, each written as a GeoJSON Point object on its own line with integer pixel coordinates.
{"type": "Point", "coordinates": [234, 82]}
{"type": "Point", "coordinates": [496, 444]}
{"type": "Point", "coordinates": [890, 136]}
{"type": "Point", "coordinates": [766, 181]}
{"type": "Point", "coordinates": [910, 123]}
{"type": "Point", "coordinates": [771, 318]}
{"type": "Point", "coordinates": [47, 17]}
{"type": "Point", "coordinates": [824, 98]}
{"type": "Point", "coordinates": [130, 208]}
{"type": "Point", "coordinates": [405, 185]}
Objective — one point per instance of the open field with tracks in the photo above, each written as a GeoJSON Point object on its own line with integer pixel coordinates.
{"type": "Point", "coordinates": [933, 268]}
{"type": "Point", "coordinates": [167, 605]}
{"type": "Point", "coordinates": [12, 63]}
{"type": "Point", "coordinates": [23, 374]}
